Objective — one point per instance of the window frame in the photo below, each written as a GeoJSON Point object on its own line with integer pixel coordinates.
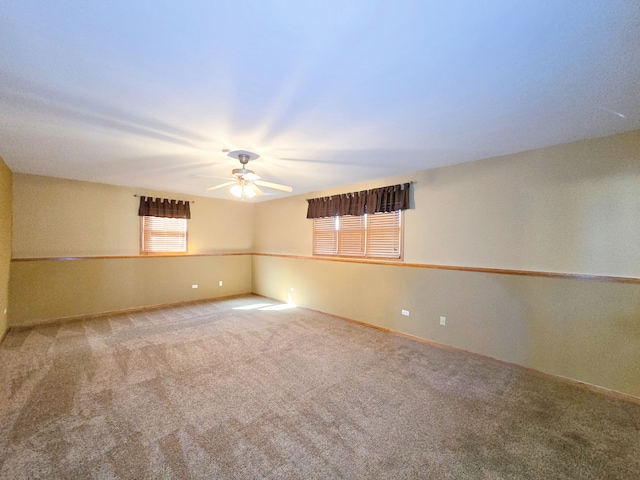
{"type": "Point", "coordinates": [144, 230]}
{"type": "Point", "coordinates": [332, 237]}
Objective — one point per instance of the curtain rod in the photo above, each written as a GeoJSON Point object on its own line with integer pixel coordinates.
{"type": "Point", "coordinates": [136, 195]}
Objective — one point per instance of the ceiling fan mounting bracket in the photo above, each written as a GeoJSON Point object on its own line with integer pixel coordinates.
{"type": "Point", "coordinates": [243, 156]}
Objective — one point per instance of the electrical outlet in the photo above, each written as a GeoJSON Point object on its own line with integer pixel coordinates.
{"type": "Point", "coordinates": [405, 313]}
{"type": "Point", "coordinates": [194, 286]}
{"type": "Point", "coordinates": [220, 283]}
{"type": "Point", "coordinates": [443, 320]}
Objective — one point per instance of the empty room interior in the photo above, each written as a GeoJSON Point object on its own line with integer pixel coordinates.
{"type": "Point", "coordinates": [395, 241]}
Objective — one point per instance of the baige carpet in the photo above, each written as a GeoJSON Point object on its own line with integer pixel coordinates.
{"type": "Point", "coordinates": [245, 388]}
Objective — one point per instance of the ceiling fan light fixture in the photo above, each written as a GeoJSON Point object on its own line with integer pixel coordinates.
{"type": "Point", "coordinates": [236, 190]}
{"type": "Point", "coordinates": [241, 190]}
{"type": "Point", "coordinates": [248, 192]}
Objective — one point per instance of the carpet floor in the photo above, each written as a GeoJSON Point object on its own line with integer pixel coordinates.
{"type": "Point", "coordinates": [247, 388]}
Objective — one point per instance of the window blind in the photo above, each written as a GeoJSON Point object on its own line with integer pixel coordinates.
{"type": "Point", "coordinates": [325, 236]}
{"type": "Point", "coordinates": [351, 236]}
{"type": "Point", "coordinates": [164, 235]}
{"type": "Point", "coordinates": [384, 237]}
{"type": "Point", "coordinates": [370, 236]}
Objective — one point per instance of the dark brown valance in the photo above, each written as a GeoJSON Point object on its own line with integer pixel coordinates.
{"type": "Point", "coordinates": [383, 199]}
{"type": "Point", "coordinates": [163, 207]}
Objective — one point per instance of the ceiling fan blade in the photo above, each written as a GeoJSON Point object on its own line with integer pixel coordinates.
{"type": "Point", "coordinates": [252, 177]}
{"type": "Point", "coordinates": [256, 189]}
{"type": "Point", "coordinates": [210, 176]}
{"type": "Point", "coordinates": [222, 185]}
{"type": "Point", "coordinates": [275, 186]}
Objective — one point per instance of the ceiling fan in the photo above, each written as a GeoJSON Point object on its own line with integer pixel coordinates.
{"type": "Point", "coordinates": [246, 184]}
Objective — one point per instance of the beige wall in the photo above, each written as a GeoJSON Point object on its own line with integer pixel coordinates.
{"type": "Point", "coordinates": [569, 209]}
{"type": "Point", "coordinates": [53, 289]}
{"type": "Point", "coordinates": [55, 217]}
{"type": "Point", "coordinates": [5, 241]}
{"type": "Point", "coordinates": [67, 218]}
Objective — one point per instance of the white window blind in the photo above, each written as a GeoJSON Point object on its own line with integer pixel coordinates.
{"type": "Point", "coordinates": [384, 237]}
{"type": "Point", "coordinates": [325, 236]}
{"type": "Point", "coordinates": [164, 235]}
{"type": "Point", "coordinates": [370, 236]}
{"type": "Point", "coordinates": [351, 235]}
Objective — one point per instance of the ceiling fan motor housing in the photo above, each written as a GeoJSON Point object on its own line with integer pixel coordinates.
{"type": "Point", "coordinates": [241, 172]}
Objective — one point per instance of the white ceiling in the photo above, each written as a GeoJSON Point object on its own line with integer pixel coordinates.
{"type": "Point", "coordinates": [147, 93]}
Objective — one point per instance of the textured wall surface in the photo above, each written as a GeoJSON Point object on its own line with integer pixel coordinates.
{"type": "Point", "coordinates": [44, 290]}
{"type": "Point", "coordinates": [5, 241]}
{"type": "Point", "coordinates": [55, 217]}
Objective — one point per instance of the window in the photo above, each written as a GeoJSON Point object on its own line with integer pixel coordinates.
{"type": "Point", "coordinates": [377, 235]}
{"type": "Point", "coordinates": [163, 235]}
